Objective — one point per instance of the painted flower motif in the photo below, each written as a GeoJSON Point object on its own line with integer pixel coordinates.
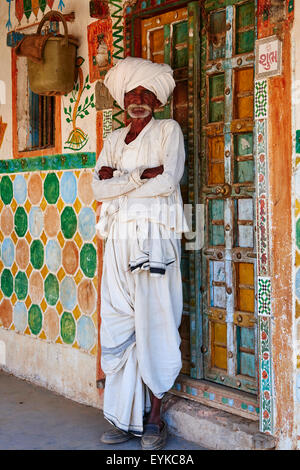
{"type": "Point", "coordinates": [266, 414]}
{"type": "Point", "coordinates": [267, 395]}
{"type": "Point", "coordinates": [264, 335]}
{"type": "Point", "coordinates": [266, 356]}
{"type": "Point", "coordinates": [261, 178]}
{"type": "Point", "coordinates": [264, 375]}
{"type": "Point", "coordinates": [264, 258]}
{"type": "Point", "coordinates": [262, 205]}
{"type": "Point", "coordinates": [260, 138]}
{"type": "Point", "coordinates": [262, 158]}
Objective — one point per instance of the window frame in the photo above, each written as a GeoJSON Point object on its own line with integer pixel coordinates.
{"type": "Point", "coordinates": [57, 148]}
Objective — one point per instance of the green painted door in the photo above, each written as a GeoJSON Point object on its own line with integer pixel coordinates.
{"type": "Point", "coordinates": [227, 184]}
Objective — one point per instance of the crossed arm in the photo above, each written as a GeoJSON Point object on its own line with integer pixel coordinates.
{"type": "Point", "coordinates": [106, 172]}
{"type": "Point", "coordinates": [141, 182]}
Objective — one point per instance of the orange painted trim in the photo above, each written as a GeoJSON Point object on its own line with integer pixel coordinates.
{"type": "Point", "coordinates": [280, 199]}
{"type": "Point", "coordinates": [58, 138]}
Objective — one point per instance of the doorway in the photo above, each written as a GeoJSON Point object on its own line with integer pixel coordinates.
{"type": "Point", "coordinates": [212, 54]}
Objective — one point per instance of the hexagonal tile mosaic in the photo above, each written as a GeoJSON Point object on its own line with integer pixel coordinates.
{"type": "Point", "coordinates": [48, 266]}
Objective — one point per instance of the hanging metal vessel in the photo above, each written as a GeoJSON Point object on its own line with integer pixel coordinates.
{"type": "Point", "coordinates": [56, 74]}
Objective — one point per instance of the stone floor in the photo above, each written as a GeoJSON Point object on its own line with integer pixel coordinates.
{"type": "Point", "coordinates": [34, 418]}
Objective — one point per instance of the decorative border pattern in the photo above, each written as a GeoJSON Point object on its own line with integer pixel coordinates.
{"type": "Point", "coordinates": [261, 99]}
{"type": "Point", "coordinates": [107, 122]}
{"type": "Point", "coordinates": [265, 367]}
{"type": "Point", "coordinates": [118, 52]}
{"type": "Point", "coordinates": [263, 259]}
{"type": "Point", "coordinates": [216, 396]}
{"type": "Point", "coordinates": [65, 161]}
{"type": "Point", "coordinates": [262, 200]}
{"type": "Point", "coordinates": [264, 296]}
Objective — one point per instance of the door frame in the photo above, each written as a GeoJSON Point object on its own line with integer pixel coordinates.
{"type": "Point", "coordinates": [258, 408]}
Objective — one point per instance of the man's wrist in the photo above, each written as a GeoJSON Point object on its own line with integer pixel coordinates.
{"type": "Point", "coordinates": [136, 176]}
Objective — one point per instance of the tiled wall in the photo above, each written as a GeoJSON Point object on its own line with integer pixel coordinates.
{"type": "Point", "coordinates": [48, 266]}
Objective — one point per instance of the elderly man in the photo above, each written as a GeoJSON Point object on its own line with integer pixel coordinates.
{"type": "Point", "coordinates": [137, 179]}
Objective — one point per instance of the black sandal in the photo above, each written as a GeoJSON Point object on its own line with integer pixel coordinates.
{"type": "Point", "coordinates": [115, 436]}
{"type": "Point", "coordinates": [153, 437]}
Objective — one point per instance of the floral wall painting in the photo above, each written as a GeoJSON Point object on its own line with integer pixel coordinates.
{"type": "Point", "coordinates": [3, 127]}
{"type": "Point", "coordinates": [100, 44]}
{"type": "Point", "coordinates": [78, 138]}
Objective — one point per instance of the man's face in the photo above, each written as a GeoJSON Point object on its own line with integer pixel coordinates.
{"type": "Point", "coordinates": [140, 102]}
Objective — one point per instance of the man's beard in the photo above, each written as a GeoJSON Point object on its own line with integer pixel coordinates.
{"type": "Point", "coordinates": [147, 111]}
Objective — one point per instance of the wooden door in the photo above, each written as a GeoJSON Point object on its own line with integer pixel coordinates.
{"type": "Point", "coordinates": [165, 40]}
{"type": "Point", "coordinates": [228, 194]}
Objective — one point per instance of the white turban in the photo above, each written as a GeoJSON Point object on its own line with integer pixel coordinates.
{"type": "Point", "coordinates": [132, 72]}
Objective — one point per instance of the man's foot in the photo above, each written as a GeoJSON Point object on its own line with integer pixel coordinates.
{"type": "Point", "coordinates": [115, 436]}
{"type": "Point", "coordinates": [154, 436]}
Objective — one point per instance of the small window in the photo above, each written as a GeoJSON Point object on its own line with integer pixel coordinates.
{"type": "Point", "coordinates": [41, 122]}
{"type": "Point", "coordinates": [36, 118]}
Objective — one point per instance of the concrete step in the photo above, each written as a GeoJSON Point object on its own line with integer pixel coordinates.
{"type": "Point", "coordinates": [212, 428]}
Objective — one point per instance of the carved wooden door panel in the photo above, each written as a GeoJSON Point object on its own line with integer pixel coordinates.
{"type": "Point", "coordinates": [165, 40]}
{"type": "Point", "coordinates": [228, 193]}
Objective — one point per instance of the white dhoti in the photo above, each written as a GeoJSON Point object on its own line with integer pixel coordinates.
{"type": "Point", "coordinates": [141, 295]}
{"type": "Point", "coordinates": [140, 317]}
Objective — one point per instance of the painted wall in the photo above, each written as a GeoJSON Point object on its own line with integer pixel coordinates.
{"type": "Point", "coordinates": [49, 261]}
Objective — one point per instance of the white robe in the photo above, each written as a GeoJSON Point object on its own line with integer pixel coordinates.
{"type": "Point", "coordinates": [140, 314]}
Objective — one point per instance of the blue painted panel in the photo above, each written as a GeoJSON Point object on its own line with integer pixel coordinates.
{"type": "Point", "coordinates": [8, 252]}
{"type": "Point", "coordinates": [20, 316]}
{"type": "Point", "coordinates": [247, 364]}
{"type": "Point", "coordinates": [36, 221]}
{"type": "Point", "coordinates": [68, 293]}
{"type": "Point", "coordinates": [20, 189]}
{"type": "Point", "coordinates": [216, 212]}
{"type": "Point", "coordinates": [68, 187]}
{"type": "Point", "coordinates": [217, 236]}
{"type": "Point", "coordinates": [53, 255]}
{"type": "Point", "coordinates": [85, 332]}
{"type": "Point", "coordinates": [247, 338]}
{"type": "Point", "coordinates": [211, 277]}
{"type": "Point", "coordinates": [246, 360]}
{"type": "Point", "coordinates": [216, 209]}
{"type": "Point", "coordinates": [86, 223]}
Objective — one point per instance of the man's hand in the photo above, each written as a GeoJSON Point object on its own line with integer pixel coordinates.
{"type": "Point", "coordinates": [152, 172]}
{"type": "Point", "coordinates": [106, 172]}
